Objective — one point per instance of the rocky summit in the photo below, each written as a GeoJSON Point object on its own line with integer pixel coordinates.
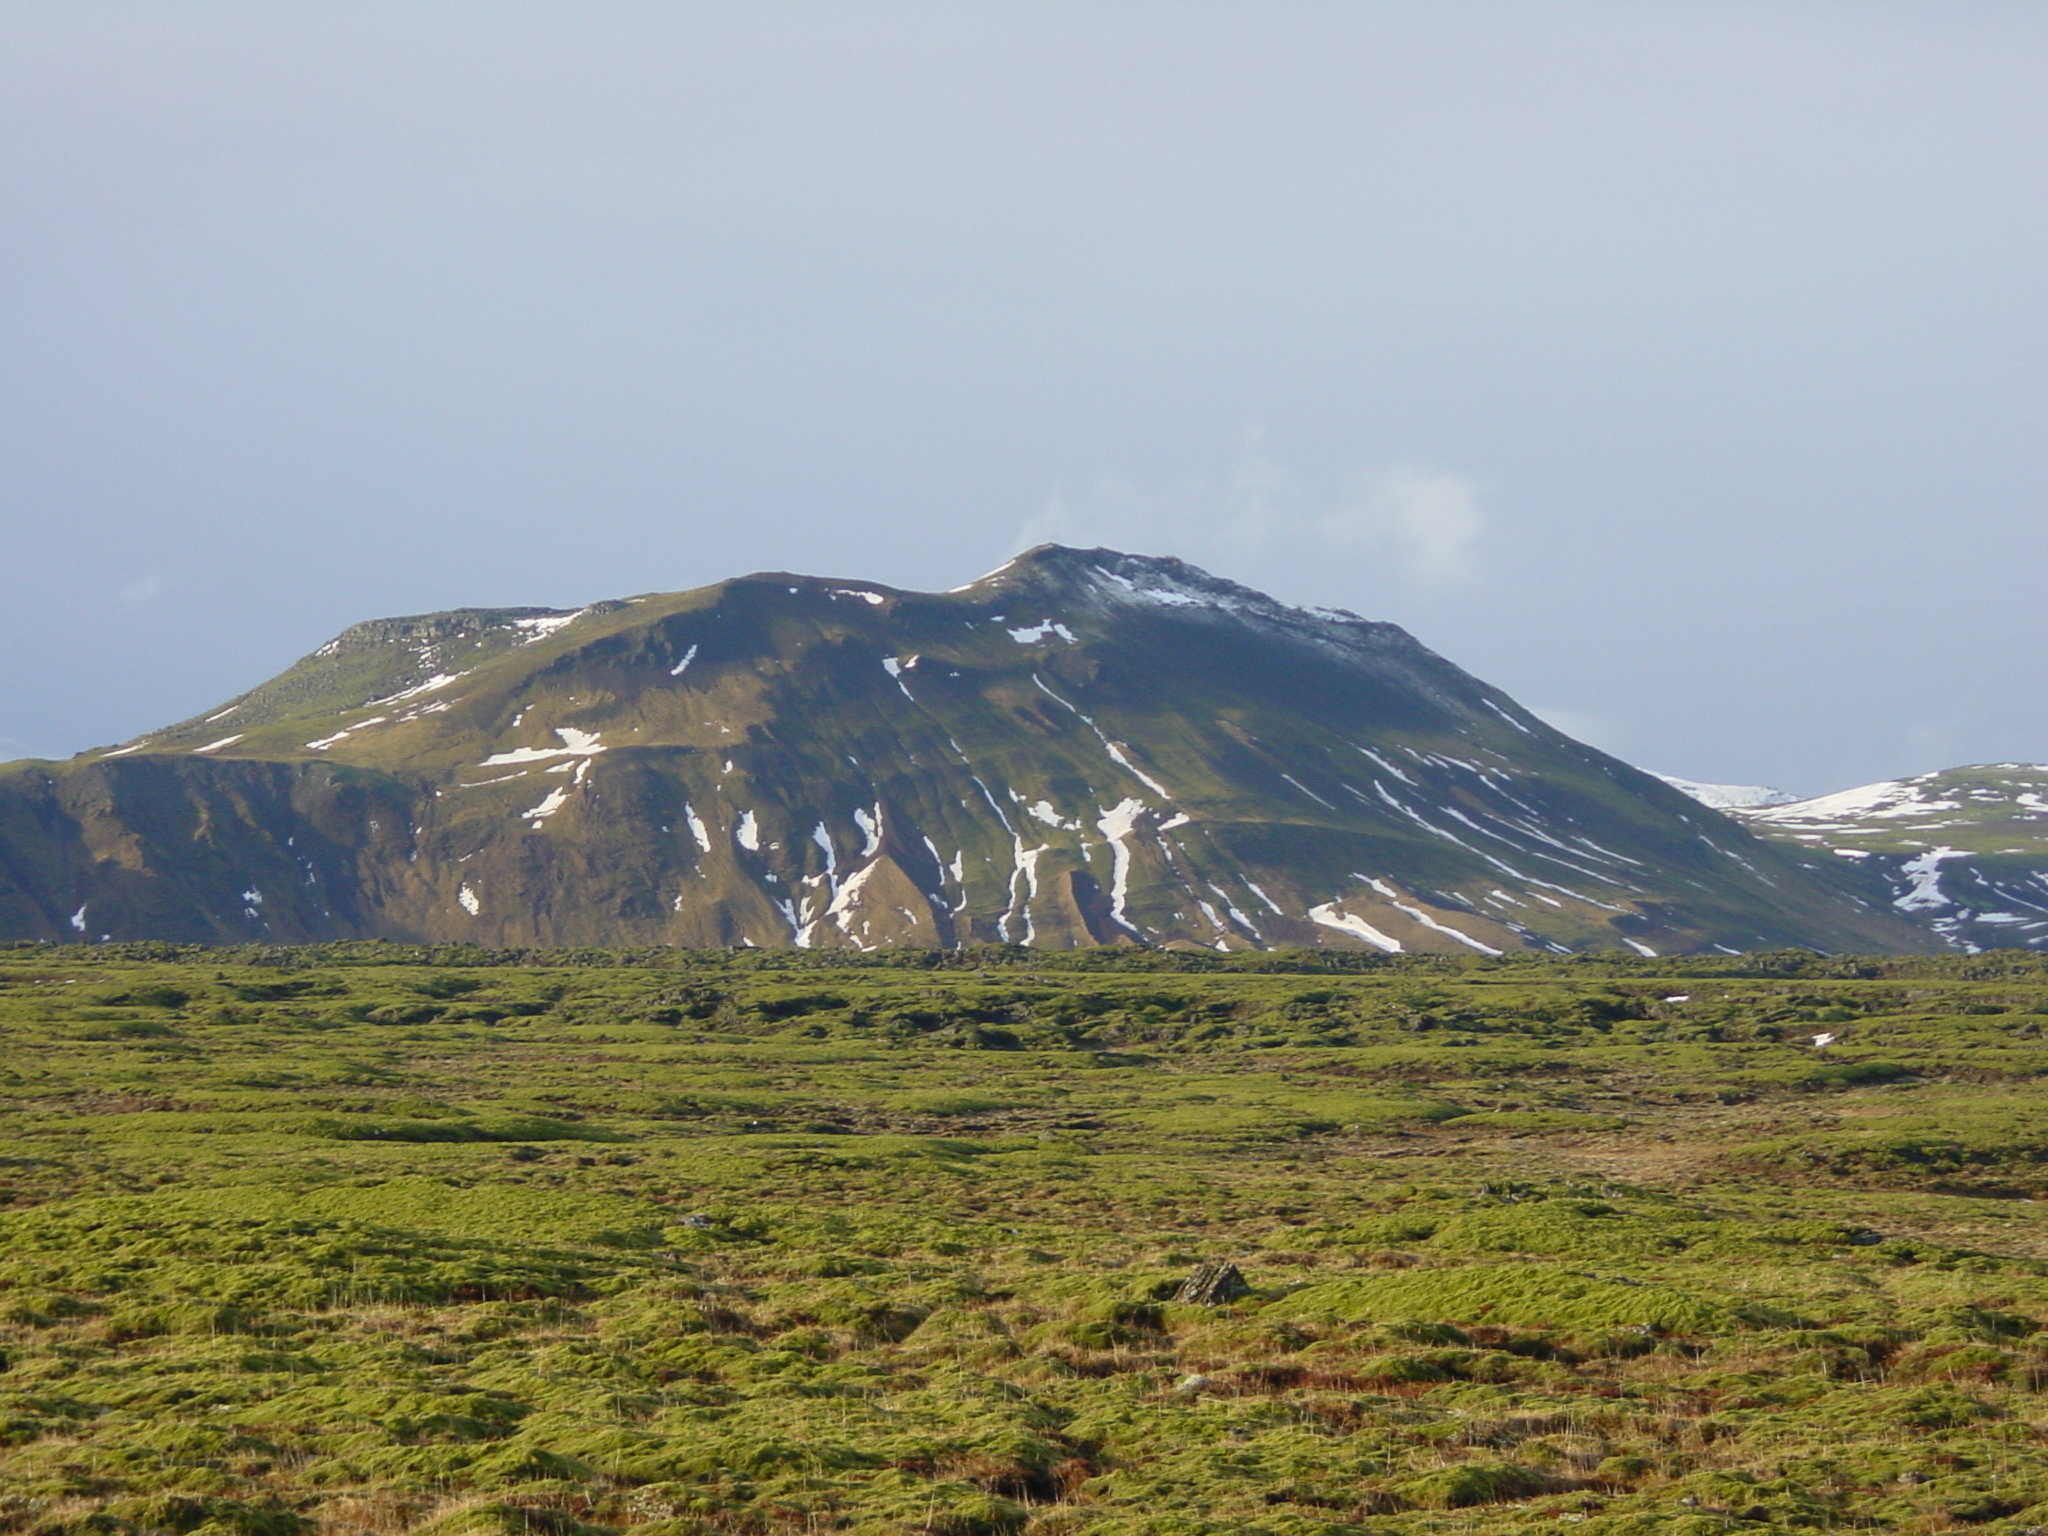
{"type": "Point", "coordinates": [1081, 748]}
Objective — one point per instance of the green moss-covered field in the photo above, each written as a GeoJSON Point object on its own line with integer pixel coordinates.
{"type": "Point", "coordinates": [365, 1239]}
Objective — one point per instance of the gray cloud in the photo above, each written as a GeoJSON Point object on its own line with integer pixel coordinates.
{"type": "Point", "coordinates": [1430, 519]}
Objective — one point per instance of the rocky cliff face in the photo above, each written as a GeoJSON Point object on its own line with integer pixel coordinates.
{"type": "Point", "coordinates": [1080, 748]}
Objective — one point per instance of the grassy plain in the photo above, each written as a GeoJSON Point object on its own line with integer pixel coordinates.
{"type": "Point", "coordinates": [366, 1240]}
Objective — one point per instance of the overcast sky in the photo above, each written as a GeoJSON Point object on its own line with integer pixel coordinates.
{"type": "Point", "coordinates": [1677, 367]}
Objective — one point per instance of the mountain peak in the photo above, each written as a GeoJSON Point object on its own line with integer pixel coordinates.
{"type": "Point", "coordinates": [1111, 576]}
{"type": "Point", "coordinates": [1065, 561]}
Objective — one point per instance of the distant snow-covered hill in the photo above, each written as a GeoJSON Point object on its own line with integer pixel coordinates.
{"type": "Point", "coordinates": [1964, 850]}
{"type": "Point", "coordinates": [1730, 797]}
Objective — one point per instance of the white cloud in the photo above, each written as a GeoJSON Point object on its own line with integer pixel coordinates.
{"type": "Point", "coordinates": [140, 592]}
{"type": "Point", "coordinates": [1430, 518]}
{"type": "Point", "coordinates": [1427, 522]}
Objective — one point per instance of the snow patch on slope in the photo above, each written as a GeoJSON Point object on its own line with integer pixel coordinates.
{"type": "Point", "coordinates": [1330, 916]}
{"type": "Point", "coordinates": [697, 828]}
{"type": "Point", "coordinates": [433, 684]}
{"type": "Point", "coordinates": [1039, 631]}
{"type": "Point", "coordinates": [556, 799]}
{"type": "Point", "coordinates": [575, 743]}
{"type": "Point", "coordinates": [870, 824]}
{"type": "Point", "coordinates": [1394, 900]}
{"type": "Point", "coordinates": [546, 624]}
{"type": "Point", "coordinates": [1116, 825]}
{"type": "Point", "coordinates": [1925, 894]}
{"type": "Point", "coordinates": [342, 735]}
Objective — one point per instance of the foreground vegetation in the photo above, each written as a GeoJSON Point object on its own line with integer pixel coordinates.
{"type": "Point", "coordinates": [362, 1239]}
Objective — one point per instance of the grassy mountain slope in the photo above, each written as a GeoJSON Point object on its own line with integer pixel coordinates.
{"type": "Point", "coordinates": [1081, 748]}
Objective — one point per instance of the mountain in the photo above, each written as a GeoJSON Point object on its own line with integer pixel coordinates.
{"type": "Point", "coordinates": [1964, 850]}
{"type": "Point", "coordinates": [1082, 747]}
{"type": "Point", "coordinates": [1730, 797]}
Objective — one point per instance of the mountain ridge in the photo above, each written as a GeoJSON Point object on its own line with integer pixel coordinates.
{"type": "Point", "coordinates": [1080, 747]}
